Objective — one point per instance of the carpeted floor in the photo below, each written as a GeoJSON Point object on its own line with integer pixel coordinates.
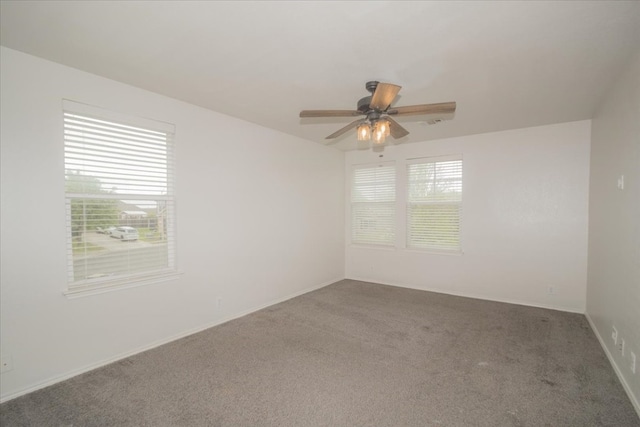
{"type": "Point", "coordinates": [354, 354]}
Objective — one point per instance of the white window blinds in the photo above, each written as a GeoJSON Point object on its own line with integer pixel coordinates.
{"type": "Point", "coordinates": [434, 204]}
{"type": "Point", "coordinates": [119, 186]}
{"type": "Point", "coordinates": [373, 196]}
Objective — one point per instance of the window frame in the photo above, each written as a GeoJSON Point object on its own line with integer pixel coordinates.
{"type": "Point", "coordinates": [90, 286]}
{"type": "Point", "coordinates": [440, 249]}
{"type": "Point", "coordinates": [389, 205]}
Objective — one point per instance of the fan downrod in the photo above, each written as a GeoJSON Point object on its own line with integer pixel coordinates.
{"type": "Point", "coordinates": [371, 86]}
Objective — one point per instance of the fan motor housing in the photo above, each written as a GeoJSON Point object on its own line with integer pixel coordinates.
{"type": "Point", "coordinates": [363, 104]}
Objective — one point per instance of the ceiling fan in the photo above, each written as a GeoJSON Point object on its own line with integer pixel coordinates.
{"type": "Point", "coordinates": [377, 123]}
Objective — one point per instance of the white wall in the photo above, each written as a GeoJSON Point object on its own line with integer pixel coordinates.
{"type": "Point", "coordinates": [613, 290]}
{"type": "Point", "coordinates": [524, 220]}
{"type": "Point", "coordinates": [252, 237]}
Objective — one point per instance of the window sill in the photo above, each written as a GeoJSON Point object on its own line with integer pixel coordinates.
{"type": "Point", "coordinates": [376, 247]}
{"type": "Point", "coordinates": [119, 284]}
{"type": "Point", "coordinates": [434, 252]}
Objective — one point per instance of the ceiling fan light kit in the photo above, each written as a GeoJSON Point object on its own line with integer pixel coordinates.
{"type": "Point", "coordinates": [377, 131]}
{"type": "Point", "coordinates": [377, 124]}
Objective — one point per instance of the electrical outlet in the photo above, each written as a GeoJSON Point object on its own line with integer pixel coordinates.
{"type": "Point", "coordinates": [218, 302]}
{"type": "Point", "coordinates": [6, 364]}
{"type": "Point", "coordinates": [551, 290]}
{"type": "Point", "coordinates": [633, 362]}
{"type": "Point", "coordinates": [614, 335]}
{"type": "Point", "coordinates": [621, 346]}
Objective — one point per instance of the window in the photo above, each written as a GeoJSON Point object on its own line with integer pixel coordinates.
{"type": "Point", "coordinates": [373, 196]}
{"type": "Point", "coordinates": [434, 203]}
{"type": "Point", "coordinates": [119, 198]}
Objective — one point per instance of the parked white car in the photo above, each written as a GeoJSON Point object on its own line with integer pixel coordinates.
{"type": "Point", "coordinates": [125, 233]}
{"type": "Point", "coordinates": [107, 231]}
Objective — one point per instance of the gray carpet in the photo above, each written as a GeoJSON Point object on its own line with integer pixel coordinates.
{"type": "Point", "coordinates": [354, 354]}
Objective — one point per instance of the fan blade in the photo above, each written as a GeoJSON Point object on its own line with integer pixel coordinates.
{"type": "Point", "coordinates": [441, 108]}
{"type": "Point", "coordinates": [346, 129]}
{"type": "Point", "coordinates": [330, 113]}
{"type": "Point", "coordinates": [395, 129]}
{"type": "Point", "coordinates": [383, 96]}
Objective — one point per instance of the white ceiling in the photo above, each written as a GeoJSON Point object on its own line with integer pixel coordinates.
{"type": "Point", "coordinates": [506, 64]}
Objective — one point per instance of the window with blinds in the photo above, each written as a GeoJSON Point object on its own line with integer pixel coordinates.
{"type": "Point", "coordinates": [119, 187]}
{"type": "Point", "coordinates": [373, 196]}
{"type": "Point", "coordinates": [434, 204]}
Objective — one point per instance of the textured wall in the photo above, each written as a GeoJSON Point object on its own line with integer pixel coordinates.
{"type": "Point", "coordinates": [260, 218]}
{"type": "Point", "coordinates": [524, 219]}
{"type": "Point", "coordinates": [613, 291]}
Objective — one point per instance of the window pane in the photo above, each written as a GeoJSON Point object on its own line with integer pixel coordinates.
{"type": "Point", "coordinates": [373, 223]}
{"type": "Point", "coordinates": [434, 226]}
{"type": "Point", "coordinates": [107, 157]}
{"type": "Point", "coordinates": [376, 184]}
{"type": "Point", "coordinates": [437, 181]}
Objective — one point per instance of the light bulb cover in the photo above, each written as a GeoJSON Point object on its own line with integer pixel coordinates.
{"type": "Point", "coordinates": [364, 132]}
{"type": "Point", "coordinates": [378, 137]}
{"type": "Point", "coordinates": [384, 127]}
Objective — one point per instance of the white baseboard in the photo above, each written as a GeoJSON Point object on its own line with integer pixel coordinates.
{"type": "Point", "coordinates": [474, 296]}
{"type": "Point", "coordinates": [616, 368]}
{"type": "Point", "coordinates": [104, 362]}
